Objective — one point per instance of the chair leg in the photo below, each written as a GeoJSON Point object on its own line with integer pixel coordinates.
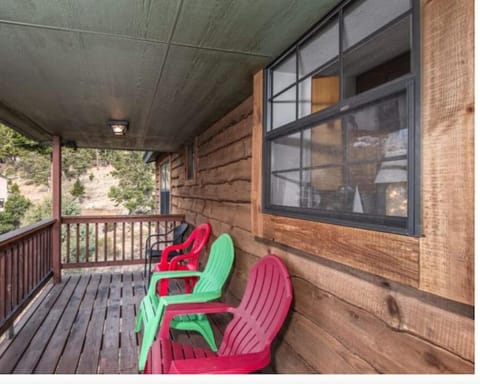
{"type": "Point", "coordinates": [147, 341]}
{"type": "Point", "coordinates": [201, 326]}
{"type": "Point", "coordinates": [139, 322]}
{"type": "Point", "coordinates": [207, 333]}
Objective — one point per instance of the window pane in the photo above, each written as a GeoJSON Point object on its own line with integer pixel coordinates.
{"type": "Point", "coordinates": [323, 145]}
{"type": "Point", "coordinates": [377, 131]}
{"type": "Point", "coordinates": [285, 153]}
{"type": "Point", "coordinates": [319, 91]}
{"type": "Point", "coordinates": [284, 74]}
{"type": "Point", "coordinates": [377, 155]}
{"type": "Point", "coordinates": [361, 19]}
{"type": "Point", "coordinates": [284, 108]}
{"type": "Point", "coordinates": [320, 48]}
{"type": "Point", "coordinates": [383, 58]}
{"type": "Point", "coordinates": [322, 188]}
{"type": "Point", "coordinates": [358, 163]}
{"type": "Point", "coordinates": [285, 189]}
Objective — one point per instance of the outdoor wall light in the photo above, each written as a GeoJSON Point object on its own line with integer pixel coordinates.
{"type": "Point", "coordinates": [119, 127]}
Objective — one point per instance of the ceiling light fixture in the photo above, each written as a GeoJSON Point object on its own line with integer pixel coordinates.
{"type": "Point", "coordinates": [119, 127]}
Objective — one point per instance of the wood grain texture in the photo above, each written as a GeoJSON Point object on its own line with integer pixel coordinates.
{"type": "Point", "coordinates": [239, 113]}
{"type": "Point", "coordinates": [321, 350]}
{"type": "Point", "coordinates": [447, 249]}
{"type": "Point", "coordinates": [445, 324]}
{"type": "Point", "coordinates": [392, 256]}
{"type": "Point", "coordinates": [388, 349]}
{"type": "Point", "coordinates": [257, 137]}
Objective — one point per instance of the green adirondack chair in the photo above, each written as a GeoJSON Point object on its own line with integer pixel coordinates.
{"type": "Point", "coordinates": [208, 287]}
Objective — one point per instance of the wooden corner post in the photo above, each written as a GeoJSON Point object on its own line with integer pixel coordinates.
{"type": "Point", "coordinates": [56, 207]}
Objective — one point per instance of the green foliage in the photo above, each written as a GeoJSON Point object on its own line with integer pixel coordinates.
{"type": "Point", "coordinates": [14, 210]}
{"type": "Point", "coordinates": [136, 184]}
{"type": "Point", "coordinates": [15, 145]}
{"type": "Point", "coordinates": [78, 190]}
{"type": "Point", "coordinates": [34, 168]}
{"type": "Point", "coordinates": [32, 161]}
{"type": "Point", "coordinates": [76, 162]}
{"type": "Point", "coordinates": [43, 210]}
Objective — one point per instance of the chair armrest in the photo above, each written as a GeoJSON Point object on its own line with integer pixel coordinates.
{"type": "Point", "coordinates": [172, 265]}
{"type": "Point", "coordinates": [185, 298]}
{"type": "Point", "coordinates": [243, 363]}
{"type": "Point", "coordinates": [189, 308]}
{"type": "Point", "coordinates": [173, 248]}
{"type": "Point", "coordinates": [157, 276]}
{"type": "Point", "coordinates": [163, 234]}
{"type": "Point", "coordinates": [160, 242]}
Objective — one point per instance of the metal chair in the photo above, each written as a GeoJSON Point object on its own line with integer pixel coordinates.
{"type": "Point", "coordinates": [154, 249]}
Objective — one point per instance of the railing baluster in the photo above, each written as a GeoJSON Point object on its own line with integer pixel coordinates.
{"type": "Point", "coordinates": [123, 241]}
{"type": "Point", "coordinates": [141, 238]}
{"type": "Point", "coordinates": [30, 264]}
{"type": "Point", "coordinates": [114, 241]}
{"type": "Point", "coordinates": [8, 301]}
{"type": "Point", "coordinates": [77, 242]}
{"type": "Point", "coordinates": [105, 245]}
{"type": "Point", "coordinates": [132, 239]}
{"type": "Point", "coordinates": [16, 271]}
{"type": "Point", "coordinates": [96, 242]}
{"type": "Point", "coordinates": [87, 245]}
{"type": "Point", "coordinates": [3, 285]}
{"type": "Point", "coordinates": [67, 256]}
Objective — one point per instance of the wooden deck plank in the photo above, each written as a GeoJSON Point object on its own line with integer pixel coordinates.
{"type": "Point", "coordinates": [84, 325]}
{"type": "Point", "coordinates": [26, 316]}
{"type": "Point", "coordinates": [139, 289]}
{"type": "Point", "coordinates": [128, 340]}
{"type": "Point", "coordinates": [56, 345]}
{"type": "Point", "coordinates": [39, 342]}
{"type": "Point", "coordinates": [88, 362]}
{"type": "Point", "coordinates": [109, 355]}
{"type": "Point", "coordinates": [73, 349]}
{"type": "Point", "coordinates": [22, 340]}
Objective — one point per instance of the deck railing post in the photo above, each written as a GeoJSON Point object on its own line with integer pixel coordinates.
{"type": "Point", "coordinates": [56, 207]}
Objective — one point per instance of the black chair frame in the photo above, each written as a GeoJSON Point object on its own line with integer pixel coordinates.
{"type": "Point", "coordinates": [154, 249]}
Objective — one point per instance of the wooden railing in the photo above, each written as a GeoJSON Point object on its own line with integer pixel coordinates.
{"type": "Point", "coordinates": [25, 265]}
{"type": "Point", "coordinates": [94, 241]}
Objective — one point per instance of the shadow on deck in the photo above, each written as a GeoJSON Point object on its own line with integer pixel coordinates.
{"type": "Point", "coordinates": [85, 324]}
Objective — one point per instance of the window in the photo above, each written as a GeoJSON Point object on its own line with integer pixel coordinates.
{"type": "Point", "coordinates": [341, 120]}
{"type": "Point", "coordinates": [190, 161]}
{"type": "Point", "coordinates": [165, 188]}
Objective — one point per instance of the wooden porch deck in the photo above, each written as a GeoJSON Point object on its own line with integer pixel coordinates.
{"type": "Point", "coordinates": [85, 324]}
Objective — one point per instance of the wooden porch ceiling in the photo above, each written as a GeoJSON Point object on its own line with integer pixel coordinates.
{"type": "Point", "coordinates": [85, 324]}
{"type": "Point", "coordinates": [170, 67]}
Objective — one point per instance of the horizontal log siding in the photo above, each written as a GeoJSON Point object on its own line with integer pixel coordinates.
{"type": "Point", "coordinates": [341, 322]}
{"type": "Point", "coordinates": [345, 318]}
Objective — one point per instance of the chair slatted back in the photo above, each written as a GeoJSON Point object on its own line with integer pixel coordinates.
{"type": "Point", "coordinates": [218, 266]}
{"type": "Point", "coordinates": [262, 311]}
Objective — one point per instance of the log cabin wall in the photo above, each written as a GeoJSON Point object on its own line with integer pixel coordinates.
{"type": "Point", "coordinates": [364, 301]}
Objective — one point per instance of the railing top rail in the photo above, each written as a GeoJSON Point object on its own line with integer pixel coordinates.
{"type": "Point", "coordinates": [18, 234]}
{"type": "Point", "coordinates": [120, 218]}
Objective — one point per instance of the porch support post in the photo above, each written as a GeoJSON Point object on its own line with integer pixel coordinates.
{"type": "Point", "coordinates": [56, 206]}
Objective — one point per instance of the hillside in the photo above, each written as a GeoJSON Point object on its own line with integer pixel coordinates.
{"type": "Point", "coordinates": [95, 202]}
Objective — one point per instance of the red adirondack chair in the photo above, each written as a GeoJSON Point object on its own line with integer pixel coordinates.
{"type": "Point", "coordinates": [188, 260]}
{"type": "Point", "coordinates": [246, 342]}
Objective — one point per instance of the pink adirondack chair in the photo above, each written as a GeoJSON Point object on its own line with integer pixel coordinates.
{"type": "Point", "coordinates": [248, 336]}
{"type": "Point", "coordinates": [188, 260]}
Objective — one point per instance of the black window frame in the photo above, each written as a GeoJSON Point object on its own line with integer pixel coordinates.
{"type": "Point", "coordinates": [409, 83]}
